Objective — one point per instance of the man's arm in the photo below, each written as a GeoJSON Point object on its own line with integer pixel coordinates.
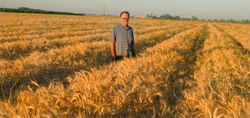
{"type": "Point", "coordinates": [133, 47]}
{"type": "Point", "coordinates": [112, 45]}
{"type": "Point", "coordinates": [133, 51]}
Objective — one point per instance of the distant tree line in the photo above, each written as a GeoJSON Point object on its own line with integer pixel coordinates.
{"type": "Point", "coordinates": [227, 20]}
{"type": "Point", "coordinates": [31, 10]}
{"type": "Point", "coordinates": [168, 16]}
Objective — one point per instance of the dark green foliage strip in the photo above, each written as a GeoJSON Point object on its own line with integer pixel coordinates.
{"type": "Point", "coordinates": [30, 10]}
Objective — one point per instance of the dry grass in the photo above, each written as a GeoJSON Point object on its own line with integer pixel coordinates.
{"type": "Point", "coordinates": [60, 66]}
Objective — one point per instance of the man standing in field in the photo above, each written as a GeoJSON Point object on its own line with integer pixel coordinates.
{"type": "Point", "coordinates": [122, 38]}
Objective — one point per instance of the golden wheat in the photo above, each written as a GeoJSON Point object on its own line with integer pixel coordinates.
{"type": "Point", "coordinates": [60, 66]}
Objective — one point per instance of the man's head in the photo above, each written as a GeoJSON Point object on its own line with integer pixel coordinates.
{"type": "Point", "coordinates": [125, 18]}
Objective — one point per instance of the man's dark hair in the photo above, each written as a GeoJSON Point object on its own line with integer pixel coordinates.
{"type": "Point", "coordinates": [126, 13]}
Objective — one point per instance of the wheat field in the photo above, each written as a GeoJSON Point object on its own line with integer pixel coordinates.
{"type": "Point", "coordinates": [61, 66]}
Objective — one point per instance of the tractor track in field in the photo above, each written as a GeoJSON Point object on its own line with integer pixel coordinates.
{"type": "Point", "coordinates": [185, 69]}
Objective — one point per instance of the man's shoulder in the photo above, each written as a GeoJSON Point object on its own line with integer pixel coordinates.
{"type": "Point", "coordinates": [130, 27]}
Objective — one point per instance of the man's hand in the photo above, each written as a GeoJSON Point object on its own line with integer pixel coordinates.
{"type": "Point", "coordinates": [112, 45]}
{"type": "Point", "coordinates": [133, 52]}
{"type": "Point", "coordinates": [113, 58]}
{"type": "Point", "coordinates": [133, 55]}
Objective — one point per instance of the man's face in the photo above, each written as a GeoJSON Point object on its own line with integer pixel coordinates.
{"type": "Point", "coordinates": [124, 19]}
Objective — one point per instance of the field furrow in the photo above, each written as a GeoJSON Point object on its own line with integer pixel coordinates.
{"type": "Point", "coordinates": [222, 88]}
{"type": "Point", "coordinates": [239, 35]}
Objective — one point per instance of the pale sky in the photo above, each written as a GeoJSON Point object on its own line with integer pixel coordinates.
{"type": "Point", "coordinates": [203, 9]}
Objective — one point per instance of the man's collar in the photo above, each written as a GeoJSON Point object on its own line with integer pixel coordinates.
{"type": "Point", "coordinates": [128, 27]}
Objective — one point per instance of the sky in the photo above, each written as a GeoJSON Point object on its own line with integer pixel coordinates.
{"type": "Point", "coordinates": [203, 9]}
